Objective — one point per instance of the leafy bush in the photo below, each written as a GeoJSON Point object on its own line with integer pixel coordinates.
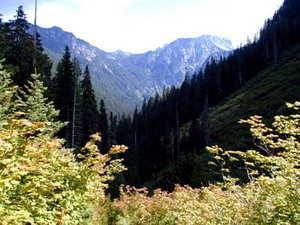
{"type": "Point", "coordinates": [41, 182]}
{"type": "Point", "coordinates": [271, 196]}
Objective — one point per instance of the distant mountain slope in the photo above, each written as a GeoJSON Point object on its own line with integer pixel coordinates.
{"type": "Point", "coordinates": [110, 81]}
{"type": "Point", "coordinates": [168, 65]}
{"type": "Point", "coordinates": [122, 79]}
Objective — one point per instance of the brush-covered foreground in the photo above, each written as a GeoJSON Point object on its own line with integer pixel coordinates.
{"type": "Point", "coordinates": [271, 197]}
{"type": "Point", "coordinates": [43, 183]}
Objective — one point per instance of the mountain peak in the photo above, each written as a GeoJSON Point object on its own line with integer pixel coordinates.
{"type": "Point", "coordinates": [120, 53]}
{"type": "Point", "coordinates": [59, 30]}
{"type": "Point", "coordinates": [56, 28]}
{"type": "Point", "coordinates": [222, 44]}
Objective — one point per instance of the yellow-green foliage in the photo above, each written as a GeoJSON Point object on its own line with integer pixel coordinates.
{"type": "Point", "coordinates": [271, 197]}
{"type": "Point", "coordinates": [40, 181]}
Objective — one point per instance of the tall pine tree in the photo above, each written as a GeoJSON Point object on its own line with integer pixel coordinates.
{"type": "Point", "coordinates": [89, 112]}
{"type": "Point", "coordinates": [65, 92]}
{"type": "Point", "coordinates": [103, 127]}
{"type": "Point", "coordinates": [16, 46]}
{"type": "Point", "coordinates": [76, 141]}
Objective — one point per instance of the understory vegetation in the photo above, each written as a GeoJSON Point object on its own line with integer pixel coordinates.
{"type": "Point", "coordinates": [42, 182]}
{"type": "Point", "coordinates": [271, 196]}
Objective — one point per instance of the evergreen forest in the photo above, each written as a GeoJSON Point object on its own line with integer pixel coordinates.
{"type": "Point", "coordinates": [167, 137]}
{"type": "Point", "coordinates": [222, 148]}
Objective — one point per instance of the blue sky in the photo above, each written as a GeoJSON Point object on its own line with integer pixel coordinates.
{"type": "Point", "coordinates": [141, 25]}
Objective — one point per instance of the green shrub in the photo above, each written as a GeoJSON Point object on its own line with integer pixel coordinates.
{"type": "Point", "coordinates": [41, 182]}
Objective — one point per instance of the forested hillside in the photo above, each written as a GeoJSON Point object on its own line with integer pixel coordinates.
{"type": "Point", "coordinates": [264, 95]}
{"type": "Point", "coordinates": [174, 128]}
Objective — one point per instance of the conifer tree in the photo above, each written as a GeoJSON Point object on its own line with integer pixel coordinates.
{"type": "Point", "coordinates": [103, 126]}
{"type": "Point", "coordinates": [76, 117]}
{"type": "Point", "coordinates": [16, 46]}
{"type": "Point", "coordinates": [113, 122]}
{"type": "Point", "coordinates": [89, 112]}
{"type": "Point", "coordinates": [65, 86]}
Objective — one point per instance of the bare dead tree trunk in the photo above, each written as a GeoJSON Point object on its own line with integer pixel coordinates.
{"type": "Point", "coordinates": [205, 122]}
{"type": "Point", "coordinates": [240, 77]}
{"type": "Point", "coordinates": [73, 118]}
{"type": "Point", "coordinates": [34, 40]}
{"type": "Point", "coordinates": [177, 132]}
{"type": "Point", "coordinates": [135, 139]}
{"type": "Point", "coordinates": [267, 49]}
{"type": "Point", "coordinates": [275, 49]}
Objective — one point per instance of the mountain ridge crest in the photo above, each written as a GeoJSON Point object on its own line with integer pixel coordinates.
{"type": "Point", "coordinates": [124, 79]}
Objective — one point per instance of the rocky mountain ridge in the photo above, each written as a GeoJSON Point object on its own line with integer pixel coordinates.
{"type": "Point", "coordinates": [124, 79]}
